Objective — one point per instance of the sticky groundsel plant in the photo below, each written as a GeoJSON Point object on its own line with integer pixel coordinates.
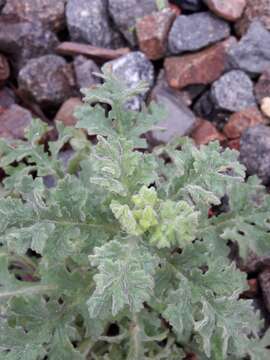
{"type": "Point", "coordinates": [119, 259]}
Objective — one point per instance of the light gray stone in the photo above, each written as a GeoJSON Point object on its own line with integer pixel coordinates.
{"type": "Point", "coordinates": [88, 21]}
{"type": "Point", "coordinates": [196, 31]}
{"type": "Point", "coordinates": [84, 69]}
{"type": "Point", "coordinates": [233, 91]}
{"type": "Point", "coordinates": [179, 120]}
{"type": "Point", "coordinates": [255, 151]}
{"type": "Point", "coordinates": [132, 69]}
{"type": "Point", "coordinates": [252, 52]}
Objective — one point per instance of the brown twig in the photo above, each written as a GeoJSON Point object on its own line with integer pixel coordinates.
{"type": "Point", "coordinates": [72, 48]}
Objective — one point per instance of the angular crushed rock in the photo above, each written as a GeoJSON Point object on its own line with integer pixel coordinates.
{"type": "Point", "coordinates": [132, 69]}
{"type": "Point", "coordinates": [84, 69]}
{"type": "Point", "coordinates": [242, 120]}
{"type": "Point", "coordinates": [89, 22]}
{"type": "Point", "coordinates": [196, 31]}
{"type": "Point", "coordinates": [152, 33]}
{"type": "Point", "coordinates": [262, 87]}
{"type": "Point", "coordinates": [179, 120]}
{"type": "Point", "coordinates": [202, 67]}
{"type": "Point", "coordinates": [255, 9]}
{"type": "Point", "coordinates": [230, 10]}
{"type": "Point", "coordinates": [25, 40]}
{"type": "Point", "coordinates": [13, 122]}
{"type": "Point", "coordinates": [252, 52]}
{"type": "Point", "coordinates": [125, 13]}
{"type": "Point", "coordinates": [233, 91]}
{"type": "Point", "coordinates": [50, 13]}
{"type": "Point", "coordinates": [255, 151]}
{"type": "Point", "coordinates": [49, 80]}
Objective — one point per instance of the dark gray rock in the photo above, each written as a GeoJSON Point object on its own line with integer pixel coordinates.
{"type": "Point", "coordinates": [196, 31]}
{"type": "Point", "coordinates": [84, 69]}
{"type": "Point", "coordinates": [24, 40]}
{"type": "Point", "coordinates": [49, 80]}
{"type": "Point", "coordinates": [255, 151]}
{"type": "Point", "coordinates": [191, 5]}
{"type": "Point", "coordinates": [252, 52]}
{"type": "Point", "coordinates": [88, 21]}
{"type": "Point", "coordinates": [125, 13]}
{"type": "Point", "coordinates": [2, 3]}
{"type": "Point", "coordinates": [132, 69]}
{"type": "Point", "coordinates": [264, 279]}
{"type": "Point", "coordinates": [205, 108]}
{"type": "Point", "coordinates": [179, 120]}
{"type": "Point", "coordinates": [50, 13]}
{"type": "Point", "coordinates": [7, 97]}
{"type": "Point", "coordinates": [233, 91]}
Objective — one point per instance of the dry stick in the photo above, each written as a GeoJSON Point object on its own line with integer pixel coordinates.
{"type": "Point", "coordinates": [73, 48]}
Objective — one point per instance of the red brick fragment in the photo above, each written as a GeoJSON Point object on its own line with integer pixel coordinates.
{"type": "Point", "coordinates": [205, 132]}
{"type": "Point", "coordinates": [152, 33]}
{"type": "Point", "coordinates": [240, 121]}
{"type": "Point", "coordinates": [202, 67]}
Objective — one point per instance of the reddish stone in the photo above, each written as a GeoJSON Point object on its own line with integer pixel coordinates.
{"type": "Point", "coordinates": [205, 132]}
{"type": "Point", "coordinates": [65, 113]}
{"type": "Point", "coordinates": [50, 13]}
{"type": "Point", "coordinates": [262, 88]}
{"type": "Point", "coordinates": [203, 67]}
{"type": "Point", "coordinates": [4, 69]}
{"type": "Point", "coordinates": [255, 9]}
{"type": "Point", "coordinates": [229, 9]}
{"type": "Point", "coordinates": [152, 33]}
{"type": "Point", "coordinates": [240, 121]}
{"type": "Point", "coordinates": [14, 121]}
{"type": "Point", "coordinates": [175, 9]}
{"type": "Point", "coordinates": [234, 144]}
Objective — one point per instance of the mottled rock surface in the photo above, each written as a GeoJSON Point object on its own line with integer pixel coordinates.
{"type": "Point", "coordinates": [255, 9]}
{"type": "Point", "coordinates": [7, 97]}
{"type": "Point", "coordinates": [196, 31]}
{"type": "Point", "coordinates": [84, 69]}
{"type": "Point", "coordinates": [152, 33]}
{"type": "Point", "coordinates": [179, 120]}
{"type": "Point", "coordinates": [202, 67]}
{"type": "Point", "coordinates": [132, 69]}
{"type": "Point", "coordinates": [206, 132]}
{"type": "Point", "coordinates": [66, 111]}
{"type": "Point", "coordinates": [25, 40]}
{"type": "Point", "coordinates": [4, 69]}
{"type": "Point", "coordinates": [125, 13]}
{"type": "Point", "coordinates": [49, 80]}
{"type": "Point", "coordinates": [252, 53]}
{"type": "Point", "coordinates": [89, 22]}
{"type": "Point", "coordinates": [233, 91]}
{"type": "Point", "coordinates": [14, 121]}
{"type": "Point", "coordinates": [230, 10]}
{"type": "Point", "coordinates": [242, 120]}
{"type": "Point", "coordinates": [255, 151]}
{"type": "Point", "coordinates": [262, 87]}
{"type": "Point", "coordinates": [50, 13]}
